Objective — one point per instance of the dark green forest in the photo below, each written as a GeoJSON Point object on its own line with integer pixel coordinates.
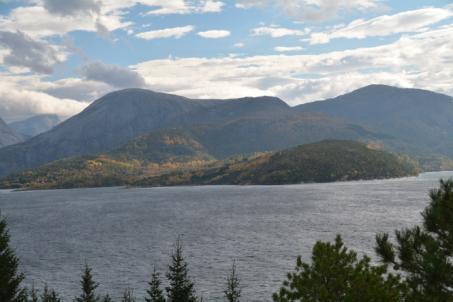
{"type": "Point", "coordinates": [414, 267]}
{"type": "Point", "coordinates": [176, 158]}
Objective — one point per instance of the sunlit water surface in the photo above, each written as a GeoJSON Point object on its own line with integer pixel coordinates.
{"type": "Point", "coordinates": [123, 232]}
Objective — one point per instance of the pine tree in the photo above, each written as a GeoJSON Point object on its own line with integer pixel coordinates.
{"type": "Point", "coordinates": [181, 289]}
{"type": "Point", "coordinates": [107, 299]}
{"type": "Point", "coordinates": [233, 290]}
{"type": "Point", "coordinates": [337, 275]}
{"type": "Point", "coordinates": [128, 296]}
{"type": "Point", "coordinates": [154, 292]}
{"type": "Point", "coordinates": [34, 294]}
{"type": "Point", "coordinates": [10, 279]}
{"type": "Point", "coordinates": [88, 287]}
{"type": "Point", "coordinates": [49, 295]}
{"type": "Point", "coordinates": [424, 253]}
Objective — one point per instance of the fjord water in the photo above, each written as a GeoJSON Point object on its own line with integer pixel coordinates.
{"type": "Point", "coordinates": [123, 232]}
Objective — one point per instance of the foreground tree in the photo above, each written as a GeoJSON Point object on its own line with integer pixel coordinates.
{"type": "Point", "coordinates": [424, 253]}
{"type": "Point", "coordinates": [337, 275]}
{"type": "Point", "coordinates": [49, 295]}
{"type": "Point", "coordinates": [233, 290]}
{"type": "Point", "coordinates": [33, 294]}
{"type": "Point", "coordinates": [88, 287]}
{"type": "Point", "coordinates": [181, 288]}
{"type": "Point", "coordinates": [10, 278]}
{"type": "Point", "coordinates": [107, 298]}
{"type": "Point", "coordinates": [154, 293]}
{"type": "Point", "coordinates": [128, 296]}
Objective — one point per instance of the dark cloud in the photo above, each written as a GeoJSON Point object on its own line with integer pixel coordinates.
{"type": "Point", "coordinates": [77, 89]}
{"type": "Point", "coordinates": [113, 75]}
{"type": "Point", "coordinates": [72, 7]}
{"type": "Point", "coordinates": [27, 52]}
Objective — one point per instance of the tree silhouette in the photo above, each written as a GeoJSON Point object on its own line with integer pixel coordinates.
{"type": "Point", "coordinates": [10, 278]}
{"type": "Point", "coordinates": [424, 253]}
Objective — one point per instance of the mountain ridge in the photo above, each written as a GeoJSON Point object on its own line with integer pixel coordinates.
{"type": "Point", "coordinates": [7, 135]}
{"type": "Point", "coordinates": [377, 114]}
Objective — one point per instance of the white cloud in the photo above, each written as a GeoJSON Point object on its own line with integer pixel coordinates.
{"type": "Point", "coordinates": [166, 7]}
{"type": "Point", "coordinates": [239, 45]}
{"type": "Point", "coordinates": [313, 10]}
{"type": "Point", "coordinates": [20, 99]}
{"type": "Point", "coordinates": [174, 32]}
{"type": "Point", "coordinates": [212, 6]}
{"type": "Point", "coordinates": [22, 104]}
{"type": "Point", "coordinates": [38, 22]}
{"type": "Point", "coordinates": [278, 32]}
{"type": "Point", "coordinates": [303, 78]}
{"type": "Point", "coordinates": [288, 48]}
{"type": "Point", "coordinates": [214, 34]}
{"type": "Point", "coordinates": [404, 22]}
{"type": "Point", "coordinates": [46, 18]}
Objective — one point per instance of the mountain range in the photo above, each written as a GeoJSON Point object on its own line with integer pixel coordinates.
{"type": "Point", "coordinates": [421, 121]}
{"type": "Point", "coordinates": [35, 125]}
{"type": "Point", "coordinates": [7, 135]}
{"type": "Point", "coordinates": [412, 121]}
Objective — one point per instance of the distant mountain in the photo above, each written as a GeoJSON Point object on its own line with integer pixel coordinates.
{"type": "Point", "coordinates": [226, 127]}
{"type": "Point", "coordinates": [36, 124]}
{"type": "Point", "coordinates": [324, 161]}
{"type": "Point", "coordinates": [420, 121]}
{"type": "Point", "coordinates": [7, 135]}
{"type": "Point", "coordinates": [412, 121]}
{"type": "Point", "coordinates": [176, 158]}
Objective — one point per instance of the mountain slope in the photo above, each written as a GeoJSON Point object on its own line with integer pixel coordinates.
{"type": "Point", "coordinates": [226, 127]}
{"type": "Point", "coordinates": [161, 152]}
{"type": "Point", "coordinates": [258, 134]}
{"type": "Point", "coordinates": [177, 159]}
{"type": "Point", "coordinates": [186, 148]}
{"type": "Point", "coordinates": [325, 161]}
{"type": "Point", "coordinates": [108, 123]}
{"type": "Point", "coordinates": [7, 135]}
{"type": "Point", "coordinates": [421, 121]}
{"type": "Point", "coordinates": [36, 124]}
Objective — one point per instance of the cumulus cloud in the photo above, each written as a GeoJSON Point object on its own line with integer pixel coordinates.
{"type": "Point", "coordinates": [313, 10]}
{"type": "Point", "coordinates": [174, 32]}
{"type": "Point", "coordinates": [24, 104]}
{"type": "Point", "coordinates": [311, 77]}
{"type": "Point", "coordinates": [38, 22]}
{"type": "Point", "coordinates": [24, 51]}
{"type": "Point", "coordinates": [113, 75]}
{"type": "Point", "coordinates": [20, 104]}
{"type": "Point", "coordinates": [239, 45]}
{"type": "Point", "coordinates": [278, 32]}
{"type": "Point", "coordinates": [288, 48]}
{"type": "Point", "coordinates": [214, 34]}
{"type": "Point", "coordinates": [404, 22]}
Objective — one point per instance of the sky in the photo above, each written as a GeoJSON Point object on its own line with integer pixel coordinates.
{"type": "Point", "coordinates": [57, 56]}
